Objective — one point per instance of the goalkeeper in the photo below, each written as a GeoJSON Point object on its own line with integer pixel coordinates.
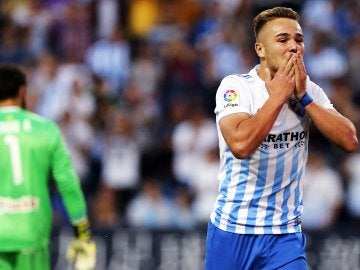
{"type": "Point", "coordinates": [31, 149]}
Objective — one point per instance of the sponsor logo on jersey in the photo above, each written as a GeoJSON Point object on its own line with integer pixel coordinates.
{"type": "Point", "coordinates": [283, 140]}
{"type": "Point", "coordinates": [230, 98]}
{"type": "Point", "coordinates": [23, 204]}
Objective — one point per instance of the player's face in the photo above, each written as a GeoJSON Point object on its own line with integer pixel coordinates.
{"type": "Point", "coordinates": [276, 38]}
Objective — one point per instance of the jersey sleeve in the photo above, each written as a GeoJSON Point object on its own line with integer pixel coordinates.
{"type": "Point", "coordinates": [318, 95]}
{"type": "Point", "coordinates": [232, 97]}
{"type": "Point", "coordinates": [66, 178]}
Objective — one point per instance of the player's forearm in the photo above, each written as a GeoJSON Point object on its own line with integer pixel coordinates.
{"type": "Point", "coordinates": [72, 196]}
{"type": "Point", "coordinates": [335, 127]}
{"type": "Point", "coordinates": [250, 132]}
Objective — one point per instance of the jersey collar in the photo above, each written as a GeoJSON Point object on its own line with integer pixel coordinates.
{"type": "Point", "coordinates": [10, 108]}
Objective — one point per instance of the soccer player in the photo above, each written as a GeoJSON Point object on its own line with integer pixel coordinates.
{"type": "Point", "coordinates": [263, 126]}
{"type": "Point", "coordinates": [31, 148]}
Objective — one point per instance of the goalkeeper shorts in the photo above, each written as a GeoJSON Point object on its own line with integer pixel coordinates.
{"type": "Point", "coordinates": [34, 259]}
{"type": "Point", "coordinates": [229, 251]}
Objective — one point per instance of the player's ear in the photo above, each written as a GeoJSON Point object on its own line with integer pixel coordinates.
{"type": "Point", "coordinates": [259, 49]}
{"type": "Point", "coordinates": [22, 91]}
{"type": "Point", "coordinates": [22, 95]}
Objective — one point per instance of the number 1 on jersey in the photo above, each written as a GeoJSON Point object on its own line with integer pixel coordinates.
{"type": "Point", "coordinates": [14, 149]}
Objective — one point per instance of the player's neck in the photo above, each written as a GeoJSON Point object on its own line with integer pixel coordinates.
{"type": "Point", "coordinates": [9, 102]}
{"type": "Point", "coordinates": [261, 71]}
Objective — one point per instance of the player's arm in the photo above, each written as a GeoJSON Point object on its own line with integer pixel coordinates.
{"type": "Point", "coordinates": [244, 133]}
{"type": "Point", "coordinates": [336, 128]}
{"type": "Point", "coordinates": [66, 179]}
{"type": "Point", "coordinates": [82, 250]}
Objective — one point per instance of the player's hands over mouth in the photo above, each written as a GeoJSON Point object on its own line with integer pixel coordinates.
{"type": "Point", "coordinates": [282, 85]}
{"type": "Point", "coordinates": [300, 76]}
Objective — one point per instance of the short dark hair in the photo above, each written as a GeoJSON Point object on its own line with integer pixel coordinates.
{"type": "Point", "coordinates": [12, 77]}
{"type": "Point", "coordinates": [269, 14]}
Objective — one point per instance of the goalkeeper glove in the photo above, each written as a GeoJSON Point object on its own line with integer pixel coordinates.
{"type": "Point", "coordinates": [82, 250]}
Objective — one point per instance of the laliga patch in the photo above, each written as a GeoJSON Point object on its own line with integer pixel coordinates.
{"type": "Point", "coordinates": [231, 99]}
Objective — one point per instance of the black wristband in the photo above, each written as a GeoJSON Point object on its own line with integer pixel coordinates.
{"type": "Point", "coordinates": [82, 230]}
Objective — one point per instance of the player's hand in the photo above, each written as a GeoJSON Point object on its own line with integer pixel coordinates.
{"type": "Point", "coordinates": [282, 85]}
{"type": "Point", "coordinates": [82, 250]}
{"type": "Point", "coordinates": [82, 254]}
{"type": "Point", "coordinates": [300, 76]}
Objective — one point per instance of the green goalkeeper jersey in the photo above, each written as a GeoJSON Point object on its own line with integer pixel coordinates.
{"type": "Point", "coordinates": [32, 148]}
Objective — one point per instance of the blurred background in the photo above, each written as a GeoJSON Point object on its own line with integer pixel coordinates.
{"type": "Point", "coordinates": [132, 85]}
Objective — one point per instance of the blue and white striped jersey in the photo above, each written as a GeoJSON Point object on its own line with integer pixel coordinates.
{"type": "Point", "coordinates": [262, 194]}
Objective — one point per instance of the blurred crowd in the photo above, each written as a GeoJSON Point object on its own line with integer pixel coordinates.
{"type": "Point", "coordinates": [132, 85]}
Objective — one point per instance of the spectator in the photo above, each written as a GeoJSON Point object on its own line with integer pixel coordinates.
{"type": "Point", "coordinates": [325, 61]}
{"type": "Point", "coordinates": [64, 79]}
{"type": "Point", "coordinates": [72, 32]}
{"type": "Point", "coordinates": [120, 172]}
{"type": "Point", "coordinates": [13, 47]}
{"type": "Point", "coordinates": [36, 20]}
{"type": "Point", "coordinates": [352, 201]}
{"type": "Point", "coordinates": [205, 186]}
{"type": "Point", "coordinates": [323, 194]}
{"type": "Point", "coordinates": [192, 139]}
{"type": "Point", "coordinates": [183, 216]}
{"type": "Point", "coordinates": [109, 58]}
{"type": "Point", "coordinates": [150, 209]}
{"type": "Point", "coordinates": [107, 17]}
